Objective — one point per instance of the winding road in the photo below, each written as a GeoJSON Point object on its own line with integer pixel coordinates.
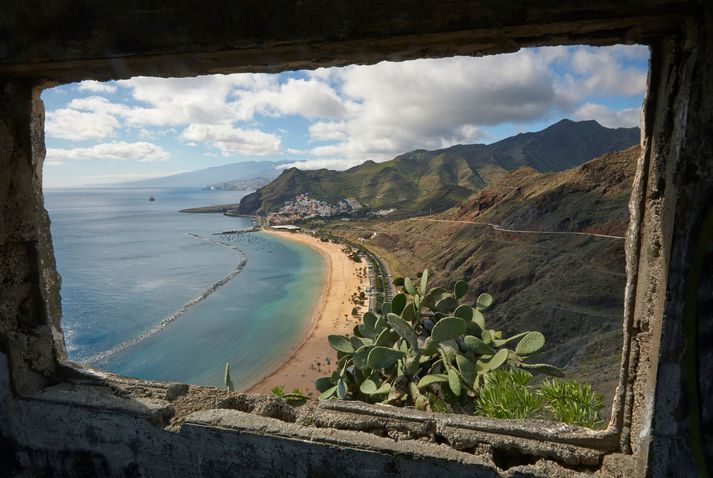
{"type": "Point", "coordinates": [519, 231]}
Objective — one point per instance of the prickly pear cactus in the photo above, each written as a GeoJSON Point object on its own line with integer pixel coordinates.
{"type": "Point", "coordinates": [426, 345]}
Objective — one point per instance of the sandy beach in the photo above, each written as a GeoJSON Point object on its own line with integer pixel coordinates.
{"type": "Point", "coordinates": [333, 315]}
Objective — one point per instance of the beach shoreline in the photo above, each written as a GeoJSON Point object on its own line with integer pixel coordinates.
{"type": "Point", "coordinates": [331, 315]}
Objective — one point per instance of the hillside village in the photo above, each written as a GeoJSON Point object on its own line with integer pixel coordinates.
{"type": "Point", "coordinates": [303, 207]}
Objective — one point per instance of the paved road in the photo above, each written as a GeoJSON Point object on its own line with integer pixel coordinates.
{"type": "Point", "coordinates": [389, 284]}
{"type": "Point", "coordinates": [502, 229]}
{"type": "Point", "coordinates": [389, 292]}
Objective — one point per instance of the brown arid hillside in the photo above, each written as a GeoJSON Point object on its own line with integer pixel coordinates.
{"type": "Point", "coordinates": [548, 246]}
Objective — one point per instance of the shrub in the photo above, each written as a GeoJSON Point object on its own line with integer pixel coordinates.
{"type": "Point", "coordinates": [573, 402]}
{"type": "Point", "coordinates": [295, 397]}
{"type": "Point", "coordinates": [508, 394]}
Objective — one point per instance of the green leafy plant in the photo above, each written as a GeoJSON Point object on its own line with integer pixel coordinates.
{"type": "Point", "coordinates": [295, 397]}
{"type": "Point", "coordinates": [423, 344]}
{"type": "Point", "coordinates": [573, 402]}
{"type": "Point", "coordinates": [229, 385]}
{"type": "Point", "coordinates": [509, 394]}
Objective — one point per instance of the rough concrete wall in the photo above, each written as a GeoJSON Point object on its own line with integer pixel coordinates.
{"type": "Point", "coordinates": [683, 191]}
{"type": "Point", "coordinates": [103, 40]}
{"type": "Point", "coordinates": [78, 432]}
{"type": "Point", "coordinates": [29, 293]}
{"type": "Point", "coordinates": [703, 332]}
{"type": "Point", "coordinates": [100, 425]}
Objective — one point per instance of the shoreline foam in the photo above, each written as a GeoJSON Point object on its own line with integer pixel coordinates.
{"type": "Point", "coordinates": [332, 315]}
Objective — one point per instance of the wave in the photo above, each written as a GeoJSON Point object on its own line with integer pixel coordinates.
{"type": "Point", "coordinates": [101, 357]}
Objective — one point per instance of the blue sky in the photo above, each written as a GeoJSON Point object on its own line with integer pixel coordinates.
{"type": "Point", "coordinates": [101, 133]}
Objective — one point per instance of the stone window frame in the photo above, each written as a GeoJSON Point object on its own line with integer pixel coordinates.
{"type": "Point", "coordinates": [653, 249]}
{"type": "Point", "coordinates": [606, 440]}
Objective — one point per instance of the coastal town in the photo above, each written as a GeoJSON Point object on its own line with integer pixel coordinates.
{"type": "Point", "coordinates": [303, 206]}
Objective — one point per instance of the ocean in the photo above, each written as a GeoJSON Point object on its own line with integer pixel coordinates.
{"type": "Point", "coordinates": [152, 293]}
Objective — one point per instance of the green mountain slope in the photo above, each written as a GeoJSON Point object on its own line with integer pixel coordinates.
{"type": "Point", "coordinates": [422, 181]}
{"type": "Point", "coordinates": [569, 286]}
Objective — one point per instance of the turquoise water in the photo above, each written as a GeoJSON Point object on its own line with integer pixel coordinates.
{"type": "Point", "coordinates": [127, 264]}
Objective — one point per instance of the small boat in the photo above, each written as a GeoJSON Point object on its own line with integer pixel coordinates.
{"type": "Point", "coordinates": [151, 198]}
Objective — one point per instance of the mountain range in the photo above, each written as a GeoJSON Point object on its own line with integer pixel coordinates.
{"type": "Point", "coordinates": [420, 181]}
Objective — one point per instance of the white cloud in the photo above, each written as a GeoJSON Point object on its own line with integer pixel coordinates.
{"type": "Point", "coordinates": [625, 118]}
{"type": "Point", "coordinates": [308, 98]}
{"type": "Point", "coordinates": [201, 99]}
{"type": "Point", "coordinates": [99, 105]}
{"type": "Point", "coordinates": [604, 73]}
{"type": "Point", "coordinates": [336, 164]}
{"type": "Point", "coordinates": [328, 131]}
{"type": "Point", "coordinates": [146, 133]}
{"type": "Point", "coordinates": [227, 98]}
{"type": "Point", "coordinates": [74, 125]}
{"type": "Point", "coordinates": [329, 150]}
{"type": "Point", "coordinates": [229, 139]}
{"type": "Point", "coordinates": [117, 150]}
{"type": "Point", "coordinates": [96, 87]}
{"type": "Point", "coordinates": [395, 107]}
{"type": "Point", "coordinates": [54, 163]}
{"type": "Point", "coordinates": [552, 54]}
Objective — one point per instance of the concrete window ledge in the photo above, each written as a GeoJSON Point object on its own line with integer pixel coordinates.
{"type": "Point", "coordinates": [343, 452]}
{"type": "Point", "coordinates": [229, 429]}
{"type": "Point", "coordinates": [223, 439]}
{"type": "Point", "coordinates": [102, 398]}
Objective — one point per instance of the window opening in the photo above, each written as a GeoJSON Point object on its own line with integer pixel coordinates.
{"type": "Point", "coordinates": [511, 173]}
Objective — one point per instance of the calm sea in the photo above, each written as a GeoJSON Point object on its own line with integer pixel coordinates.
{"type": "Point", "coordinates": [128, 263]}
